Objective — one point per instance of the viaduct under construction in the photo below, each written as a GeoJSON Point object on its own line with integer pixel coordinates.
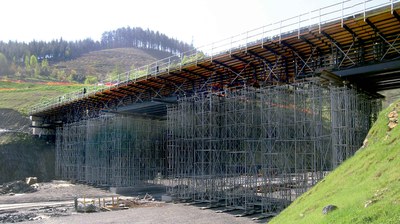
{"type": "Point", "coordinates": [250, 122]}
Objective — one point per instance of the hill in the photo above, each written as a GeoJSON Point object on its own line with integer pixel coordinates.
{"type": "Point", "coordinates": [21, 96]}
{"type": "Point", "coordinates": [117, 51]}
{"type": "Point", "coordinates": [104, 62]}
{"type": "Point", "coordinates": [365, 188]}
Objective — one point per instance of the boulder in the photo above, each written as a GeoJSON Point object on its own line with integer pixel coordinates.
{"type": "Point", "coordinates": [329, 208]}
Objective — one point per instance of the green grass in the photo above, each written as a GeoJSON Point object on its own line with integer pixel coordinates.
{"type": "Point", "coordinates": [22, 96]}
{"type": "Point", "coordinates": [371, 175]}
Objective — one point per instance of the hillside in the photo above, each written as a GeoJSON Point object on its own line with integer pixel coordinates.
{"type": "Point", "coordinates": [365, 188]}
{"type": "Point", "coordinates": [21, 96]}
{"type": "Point", "coordinates": [102, 63]}
{"type": "Point", "coordinates": [21, 154]}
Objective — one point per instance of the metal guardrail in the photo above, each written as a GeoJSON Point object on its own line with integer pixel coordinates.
{"type": "Point", "coordinates": [319, 17]}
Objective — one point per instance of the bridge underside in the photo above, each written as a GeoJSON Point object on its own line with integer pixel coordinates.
{"type": "Point", "coordinates": [250, 149]}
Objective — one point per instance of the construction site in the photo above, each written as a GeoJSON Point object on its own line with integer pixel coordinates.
{"type": "Point", "coordinates": [246, 127]}
{"type": "Point", "coordinates": [248, 148]}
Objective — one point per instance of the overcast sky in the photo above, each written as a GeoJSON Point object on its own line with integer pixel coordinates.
{"type": "Point", "coordinates": [204, 21]}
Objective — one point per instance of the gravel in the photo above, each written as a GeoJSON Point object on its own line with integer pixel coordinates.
{"type": "Point", "coordinates": [50, 206]}
{"type": "Point", "coordinates": [170, 213]}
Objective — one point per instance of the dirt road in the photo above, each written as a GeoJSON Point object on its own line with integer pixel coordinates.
{"type": "Point", "coordinates": [53, 203]}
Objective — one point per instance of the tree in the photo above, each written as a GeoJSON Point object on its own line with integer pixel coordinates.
{"type": "Point", "coordinates": [3, 64]}
{"type": "Point", "coordinates": [27, 64]}
{"type": "Point", "coordinates": [35, 65]}
{"type": "Point", "coordinates": [45, 70]}
{"type": "Point", "coordinates": [90, 79]}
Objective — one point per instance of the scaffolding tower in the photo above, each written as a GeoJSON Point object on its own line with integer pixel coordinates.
{"type": "Point", "coordinates": [260, 148]}
{"type": "Point", "coordinates": [254, 149]}
{"type": "Point", "coordinates": [111, 150]}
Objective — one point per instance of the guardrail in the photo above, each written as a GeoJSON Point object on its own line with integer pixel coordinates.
{"type": "Point", "coordinates": [276, 30]}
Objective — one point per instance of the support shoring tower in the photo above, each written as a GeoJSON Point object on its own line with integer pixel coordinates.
{"type": "Point", "coordinates": [260, 148]}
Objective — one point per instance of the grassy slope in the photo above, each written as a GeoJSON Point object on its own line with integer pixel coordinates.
{"type": "Point", "coordinates": [22, 96]}
{"type": "Point", "coordinates": [100, 63]}
{"type": "Point", "coordinates": [372, 174]}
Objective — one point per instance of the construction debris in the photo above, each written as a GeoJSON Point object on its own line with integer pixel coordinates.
{"type": "Point", "coordinates": [18, 217]}
{"type": "Point", "coordinates": [113, 203]}
{"type": "Point", "coordinates": [31, 180]}
{"type": "Point", "coordinates": [16, 187]}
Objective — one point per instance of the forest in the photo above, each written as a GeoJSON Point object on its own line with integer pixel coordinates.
{"type": "Point", "coordinates": [34, 59]}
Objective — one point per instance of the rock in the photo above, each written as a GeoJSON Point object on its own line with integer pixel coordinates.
{"type": "Point", "coordinates": [329, 208]}
{"type": "Point", "coordinates": [31, 180]}
{"type": "Point", "coordinates": [393, 119]}
{"type": "Point", "coordinates": [365, 143]}
{"type": "Point", "coordinates": [369, 202]}
{"type": "Point", "coordinates": [393, 114]}
{"type": "Point", "coordinates": [16, 187]}
{"type": "Point", "coordinates": [16, 217]}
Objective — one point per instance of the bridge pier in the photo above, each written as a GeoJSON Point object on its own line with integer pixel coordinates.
{"type": "Point", "coordinates": [41, 128]}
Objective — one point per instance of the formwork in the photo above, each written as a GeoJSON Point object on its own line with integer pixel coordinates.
{"type": "Point", "coordinates": [260, 148]}
{"type": "Point", "coordinates": [111, 150]}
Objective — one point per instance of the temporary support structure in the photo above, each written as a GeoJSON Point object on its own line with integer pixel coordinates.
{"type": "Point", "coordinates": [246, 148]}
{"type": "Point", "coordinates": [260, 148]}
{"type": "Point", "coordinates": [111, 150]}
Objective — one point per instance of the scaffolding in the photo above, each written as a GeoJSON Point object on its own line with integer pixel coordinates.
{"type": "Point", "coordinates": [260, 148]}
{"type": "Point", "coordinates": [111, 150]}
{"type": "Point", "coordinates": [254, 149]}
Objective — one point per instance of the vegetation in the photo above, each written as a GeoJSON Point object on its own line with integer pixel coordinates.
{"type": "Point", "coordinates": [365, 188]}
{"type": "Point", "coordinates": [22, 96]}
{"type": "Point", "coordinates": [104, 63]}
{"type": "Point", "coordinates": [38, 59]}
{"type": "Point", "coordinates": [143, 39]}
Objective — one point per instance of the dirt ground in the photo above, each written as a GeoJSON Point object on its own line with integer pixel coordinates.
{"type": "Point", "coordinates": [53, 202]}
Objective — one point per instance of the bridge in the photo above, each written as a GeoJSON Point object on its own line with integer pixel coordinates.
{"type": "Point", "coordinates": [249, 122]}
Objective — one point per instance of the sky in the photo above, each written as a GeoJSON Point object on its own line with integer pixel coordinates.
{"type": "Point", "coordinates": [201, 22]}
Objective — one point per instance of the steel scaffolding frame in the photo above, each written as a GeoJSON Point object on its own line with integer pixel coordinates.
{"type": "Point", "coordinates": [260, 148]}
{"type": "Point", "coordinates": [254, 149]}
{"type": "Point", "coordinates": [111, 150]}
{"type": "Point", "coordinates": [352, 113]}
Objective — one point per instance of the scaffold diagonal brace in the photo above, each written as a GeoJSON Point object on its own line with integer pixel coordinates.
{"type": "Point", "coordinates": [391, 46]}
{"type": "Point", "coordinates": [346, 55]}
{"type": "Point", "coordinates": [308, 59]}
